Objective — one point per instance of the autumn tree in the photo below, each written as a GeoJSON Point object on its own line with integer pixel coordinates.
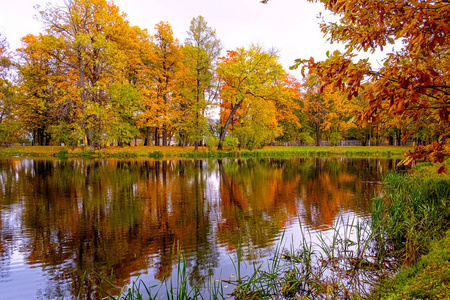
{"type": "Point", "coordinates": [165, 68]}
{"type": "Point", "coordinates": [297, 129]}
{"type": "Point", "coordinates": [315, 108]}
{"type": "Point", "coordinates": [125, 106]}
{"type": "Point", "coordinates": [201, 50]}
{"type": "Point", "coordinates": [261, 121]}
{"type": "Point", "coordinates": [42, 87]}
{"type": "Point", "coordinates": [9, 126]}
{"type": "Point", "coordinates": [248, 76]}
{"type": "Point", "coordinates": [93, 40]}
{"type": "Point", "coordinates": [5, 84]}
{"type": "Point", "coordinates": [5, 61]}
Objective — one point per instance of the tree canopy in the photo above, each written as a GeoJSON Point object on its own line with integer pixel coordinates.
{"type": "Point", "coordinates": [92, 78]}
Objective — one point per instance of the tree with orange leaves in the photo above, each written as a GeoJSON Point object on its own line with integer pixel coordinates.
{"type": "Point", "coordinates": [94, 42]}
{"type": "Point", "coordinates": [5, 84]}
{"type": "Point", "coordinates": [43, 88]}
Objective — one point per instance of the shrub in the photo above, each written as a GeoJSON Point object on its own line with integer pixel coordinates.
{"type": "Point", "coordinates": [62, 154]}
{"type": "Point", "coordinates": [156, 154]}
{"type": "Point", "coordinates": [211, 142]}
{"type": "Point", "coordinates": [231, 142]}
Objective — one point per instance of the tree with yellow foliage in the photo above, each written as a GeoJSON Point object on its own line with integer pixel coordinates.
{"type": "Point", "coordinates": [93, 40]}
{"type": "Point", "coordinates": [10, 127]}
{"type": "Point", "coordinates": [164, 70]}
{"type": "Point", "coordinates": [255, 95]}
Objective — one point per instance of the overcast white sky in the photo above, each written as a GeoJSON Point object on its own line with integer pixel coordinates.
{"type": "Point", "coordinates": [291, 26]}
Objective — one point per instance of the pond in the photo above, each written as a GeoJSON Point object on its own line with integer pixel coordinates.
{"type": "Point", "coordinates": [66, 224]}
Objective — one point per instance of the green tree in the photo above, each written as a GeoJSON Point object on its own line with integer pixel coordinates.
{"type": "Point", "coordinates": [125, 106]}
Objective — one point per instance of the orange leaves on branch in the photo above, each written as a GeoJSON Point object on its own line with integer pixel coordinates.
{"type": "Point", "coordinates": [412, 83]}
{"type": "Point", "coordinates": [231, 57]}
{"type": "Point", "coordinates": [339, 72]}
{"type": "Point", "coordinates": [436, 152]}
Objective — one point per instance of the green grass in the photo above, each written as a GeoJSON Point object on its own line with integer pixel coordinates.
{"type": "Point", "coordinates": [413, 219]}
{"type": "Point", "coordinates": [171, 288]}
{"type": "Point", "coordinates": [203, 153]}
{"type": "Point", "coordinates": [414, 211]}
{"type": "Point", "coordinates": [429, 278]}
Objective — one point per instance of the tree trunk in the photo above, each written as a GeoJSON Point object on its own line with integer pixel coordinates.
{"type": "Point", "coordinates": [391, 140]}
{"type": "Point", "coordinates": [148, 137]}
{"type": "Point", "coordinates": [227, 123]}
{"type": "Point", "coordinates": [47, 139]}
{"type": "Point", "coordinates": [164, 136]}
{"type": "Point", "coordinates": [198, 100]}
{"type": "Point", "coordinates": [156, 137]}
{"type": "Point", "coordinates": [40, 138]}
{"type": "Point", "coordinates": [318, 135]}
{"type": "Point", "coordinates": [89, 138]}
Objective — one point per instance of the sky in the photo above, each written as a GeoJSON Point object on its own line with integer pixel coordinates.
{"type": "Point", "coordinates": [290, 26]}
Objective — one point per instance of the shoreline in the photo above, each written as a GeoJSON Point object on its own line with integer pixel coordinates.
{"type": "Point", "coordinates": [168, 152]}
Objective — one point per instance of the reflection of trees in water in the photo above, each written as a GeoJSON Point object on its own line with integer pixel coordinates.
{"type": "Point", "coordinates": [111, 214]}
{"type": "Point", "coordinates": [129, 215]}
{"type": "Point", "coordinates": [254, 205]}
{"type": "Point", "coordinates": [333, 185]}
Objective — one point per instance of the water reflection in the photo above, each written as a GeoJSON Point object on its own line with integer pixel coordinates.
{"type": "Point", "coordinates": [60, 219]}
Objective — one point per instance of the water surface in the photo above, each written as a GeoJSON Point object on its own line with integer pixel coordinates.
{"type": "Point", "coordinates": [64, 224]}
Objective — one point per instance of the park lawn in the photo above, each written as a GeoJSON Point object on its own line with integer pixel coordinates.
{"type": "Point", "coordinates": [188, 152]}
{"type": "Point", "coordinates": [344, 150]}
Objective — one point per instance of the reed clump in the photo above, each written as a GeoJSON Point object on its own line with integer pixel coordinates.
{"type": "Point", "coordinates": [413, 212]}
{"type": "Point", "coordinates": [341, 263]}
{"type": "Point", "coordinates": [170, 288]}
{"type": "Point", "coordinates": [349, 261]}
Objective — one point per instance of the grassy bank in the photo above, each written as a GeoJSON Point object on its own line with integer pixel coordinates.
{"type": "Point", "coordinates": [413, 218]}
{"type": "Point", "coordinates": [188, 152]}
{"type": "Point", "coordinates": [428, 278]}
